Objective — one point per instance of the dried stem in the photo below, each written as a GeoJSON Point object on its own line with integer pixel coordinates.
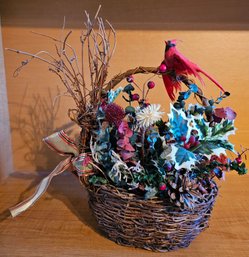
{"type": "Point", "coordinates": [33, 56]}
{"type": "Point", "coordinates": [96, 42]}
{"type": "Point", "coordinates": [96, 45]}
{"type": "Point", "coordinates": [69, 46]}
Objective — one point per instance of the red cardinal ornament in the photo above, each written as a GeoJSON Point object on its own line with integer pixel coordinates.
{"type": "Point", "coordinates": [178, 65]}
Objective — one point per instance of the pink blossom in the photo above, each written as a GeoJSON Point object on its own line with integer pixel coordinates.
{"type": "Point", "coordinates": [126, 155]}
{"type": "Point", "coordinates": [125, 144]}
{"type": "Point", "coordinates": [124, 129]}
{"type": "Point", "coordinates": [227, 113]}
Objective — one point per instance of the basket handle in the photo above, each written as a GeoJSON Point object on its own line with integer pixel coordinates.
{"type": "Point", "coordinates": [154, 70]}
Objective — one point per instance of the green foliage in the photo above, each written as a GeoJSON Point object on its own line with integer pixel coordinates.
{"type": "Point", "coordinates": [241, 169]}
{"type": "Point", "coordinates": [202, 126]}
{"type": "Point", "coordinates": [209, 146]}
{"type": "Point", "coordinates": [223, 129]}
{"type": "Point", "coordinates": [97, 180]}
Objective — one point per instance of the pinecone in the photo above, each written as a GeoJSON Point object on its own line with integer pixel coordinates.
{"type": "Point", "coordinates": [185, 191]}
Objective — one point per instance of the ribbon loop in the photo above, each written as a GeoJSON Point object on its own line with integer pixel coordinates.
{"type": "Point", "coordinates": [61, 143]}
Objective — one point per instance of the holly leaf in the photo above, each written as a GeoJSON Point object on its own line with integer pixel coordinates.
{"type": "Point", "coordinates": [202, 127]}
{"type": "Point", "coordinates": [178, 123]}
{"type": "Point", "coordinates": [182, 157]}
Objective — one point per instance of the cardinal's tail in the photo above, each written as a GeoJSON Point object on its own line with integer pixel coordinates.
{"type": "Point", "coordinates": [171, 86]}
{"type": "Point", "coordinates": [212, 79]}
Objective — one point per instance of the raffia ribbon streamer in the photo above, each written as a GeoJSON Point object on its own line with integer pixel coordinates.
{"type": "Point", "coordinates": [61, 143]}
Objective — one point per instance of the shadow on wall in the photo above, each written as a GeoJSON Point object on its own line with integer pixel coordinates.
{"type": "Point", "coordinates": [34, 122]}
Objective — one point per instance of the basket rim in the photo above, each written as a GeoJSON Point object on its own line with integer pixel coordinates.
{"type": "Point", "coordinates": [132, 197]}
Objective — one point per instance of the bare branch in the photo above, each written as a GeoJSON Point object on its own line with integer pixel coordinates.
{"type": "Point", "coordinates": [59, 41]}
{"type": "Point", "coordinates": [96, 51]}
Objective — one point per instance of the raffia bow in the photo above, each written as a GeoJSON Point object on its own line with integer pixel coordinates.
{"type": "Point", "coordinates": [61, 143]}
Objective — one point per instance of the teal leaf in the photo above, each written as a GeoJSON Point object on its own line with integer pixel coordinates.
{"type": "Point", "coordinates": [178, 123]}
{"type": "Point", "coordinates": [182, 157]}
{"type": "Point", "coordinates": [193, 88]}
{"type": "Point", "coordinates": [185, 95]}
{"type": "Point", "coordinates": [113, 94]}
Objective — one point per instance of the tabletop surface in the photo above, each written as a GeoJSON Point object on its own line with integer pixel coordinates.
{"type": "Point", "coordinates": [61, 224]}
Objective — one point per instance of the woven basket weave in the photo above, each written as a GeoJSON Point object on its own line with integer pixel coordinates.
{"type": "Point", "coordinates": [152, 224]}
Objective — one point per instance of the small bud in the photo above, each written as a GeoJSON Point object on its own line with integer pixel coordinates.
{"type": "Point", "coordinates": [151, 84]}
{"type": "Point", "coordinates": [135, 97]}
{"type": "Point", "coordinates": [238, 160]}
{"type": "Point", "coordinates": [128, 88]}
{"type": "Point", "coordinates": [167, 166]}
{"type": "Point", "coordinates": [130, 79]}
{"type": "Point", "coordinates": [162, 187]}
{"type": "Point", "coordinates": [130, 110]}
{"type": "Point", "coordinates": [186, 145]}
{"type": "Point", "coordinates": [177, 105]}
{"type": "Point", "coordinates": [191, 140]}
{"type": "Point", "coordinates": [196, 143]}
{"type": "Point", "coordinates": [183, 138]}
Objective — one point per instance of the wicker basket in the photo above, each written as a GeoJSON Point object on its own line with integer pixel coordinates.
{"type": "Point", "coordinates": [149, 224]}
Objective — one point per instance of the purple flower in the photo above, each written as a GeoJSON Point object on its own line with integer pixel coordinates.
{"type": "Point", "coordinates": [114, 113]}
{"type": "Point", "coordinates": [226, 113]}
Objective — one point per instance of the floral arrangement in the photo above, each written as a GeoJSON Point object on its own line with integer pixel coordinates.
{"type": "Point", "coordinates": [139, 148]}
{"type": "Point", "coordinates": [177, 158]}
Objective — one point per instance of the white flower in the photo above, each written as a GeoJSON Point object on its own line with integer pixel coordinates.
{"type": "Point", "coordinates": [149, 115]}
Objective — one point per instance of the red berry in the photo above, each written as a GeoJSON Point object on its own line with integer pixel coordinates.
{"type": "Point", "coordinates": [135, 97]}
{"type": "Point", "coordinates": [162, 187]}
{"type": "Point", "coordinates": [130, 79]}
{"type": "Point", "coordinates": [238, 160]}
{"type": "Point", "coordinates": [183, 138]}
{"type": "Point", "coordinates": [151, 84]}
{"type": "Point", "coordinates": [191, 140]}
{"type": "Point", "coordinates": [186, 145]}
{"type": "Point", "coordinates": [196, 143]}
{"type": "Point", "coordinates": [162, 68]}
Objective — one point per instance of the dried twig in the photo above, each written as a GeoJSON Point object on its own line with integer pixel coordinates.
{"type": "Point", "coordinates": [98, 43]}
